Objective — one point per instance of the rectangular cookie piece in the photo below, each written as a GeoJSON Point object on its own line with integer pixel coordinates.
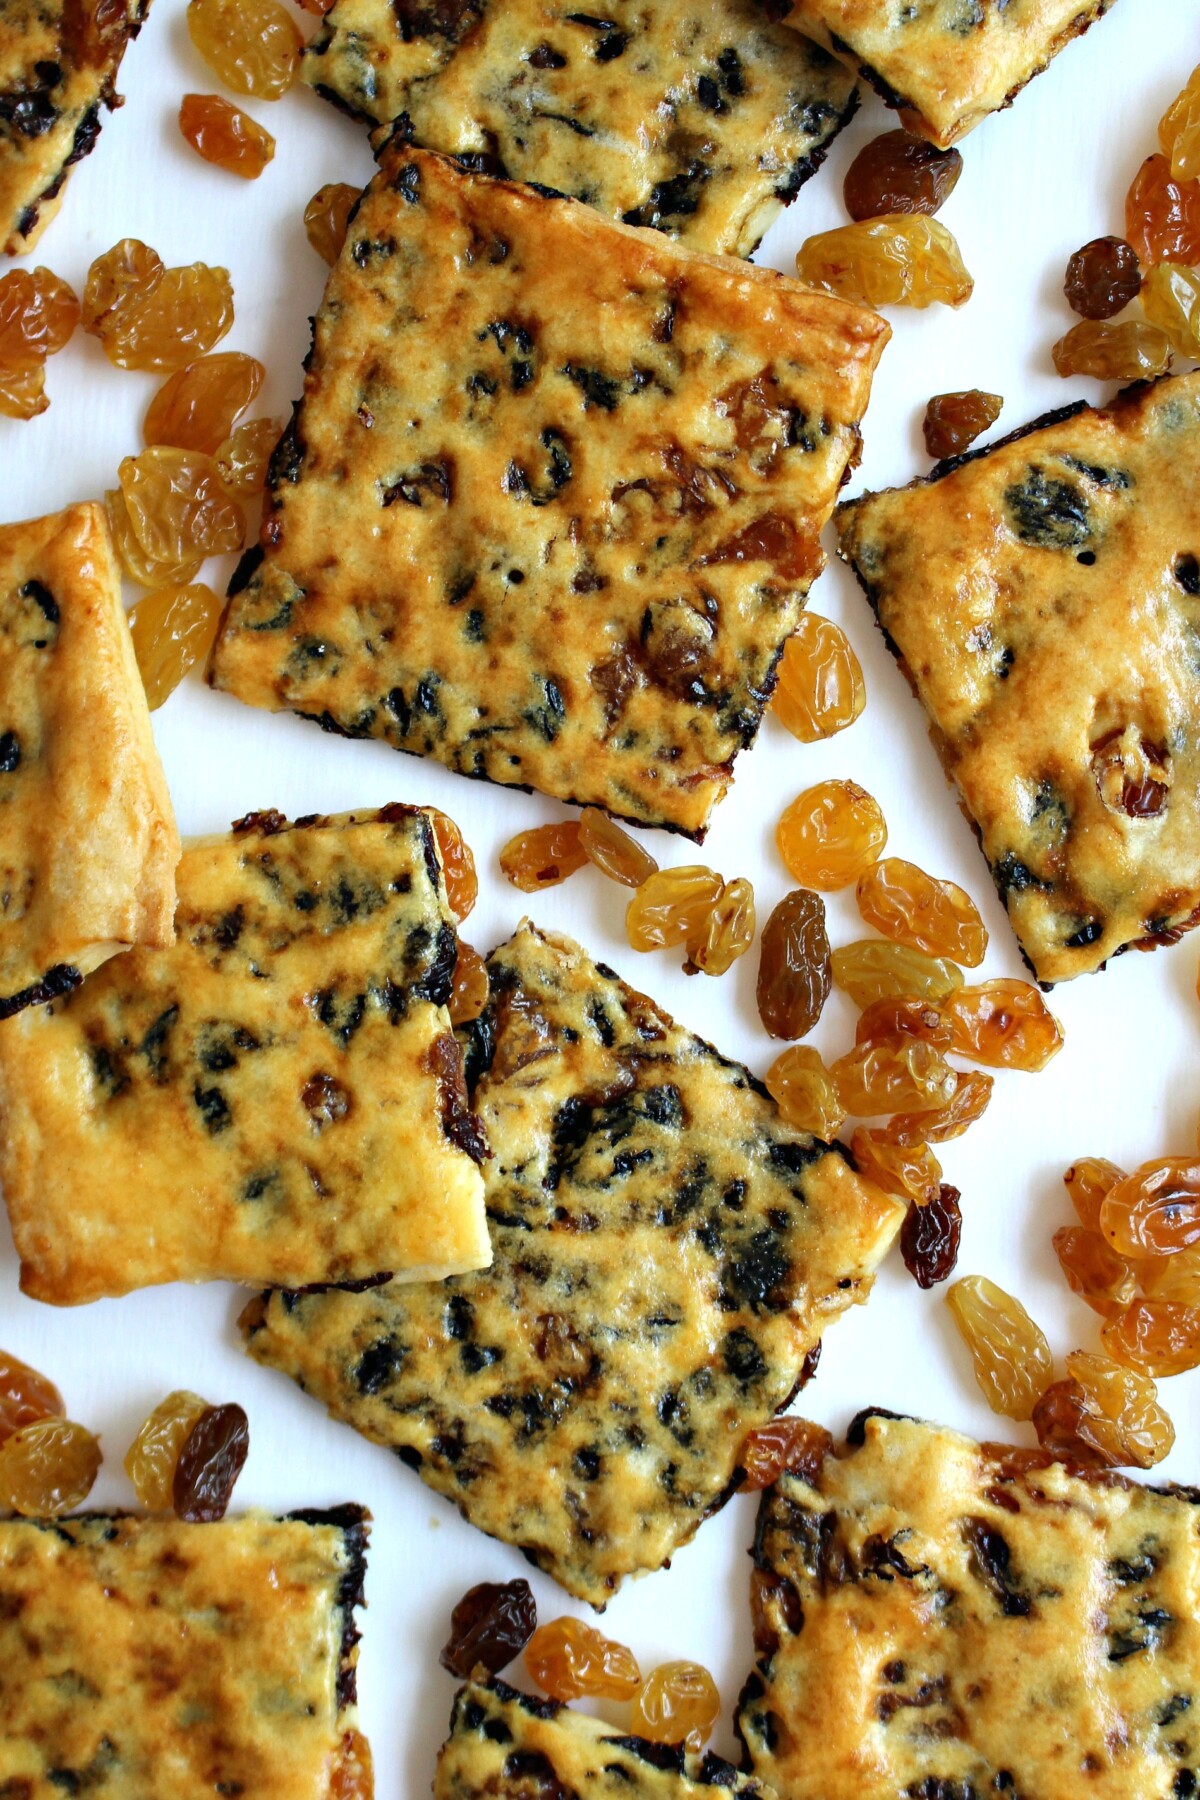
{"type": "Point", "coordinates": [700, 120]}
{"type": "Point", "coordinates": [990, 1623]}
{"type": "Point", "coordinates": [551, 556]}
{"type": "Point", "coordinates": [1043, 599]}
{"type": "Point", "coordinates": [946, 64]}
{"type": "Point", "coordinates": [88, 844]}
{"type": "Point", "coordinates": [666, 1252]}
{"type": "Point", "coordinates": [58, 66]}
{"type": "Point", "coordinates": [280, 1092]}
{"type": "Point", "coordinates": [501, 1739]}
{"type": "Point", "coordinates": [144, 1656]}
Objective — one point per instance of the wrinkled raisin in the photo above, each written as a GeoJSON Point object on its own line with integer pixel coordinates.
{"type": "Point", "coordinates": [23, 391]}
{"type": "Point", "coordinates": [152, 1457]}
{"type": "Point", "coordinates": [123, 276]}
{"type": "Point", "coordinates": [569, 1659]}
{"type": "Point", "coordinates": [209, 1464]}
{"type": "Point", "coordinates": [224, 135]}
{"type": "Point", "coordinates": [929, 1237]}
{"type": "Point", "coordinates": [899, 172]}
{"type": "Point", "coordinates": [1171, 300]}
{"type": "Point", "coordinates": [1003, 1023]}
{"type": "Point", "coordinates": [469, 992]}
{"type": "Point", "coordinates": [1130, 351]}
{"type": "Point", "coordinates": [785, 1443]}
{"type": "Point", "coordinates": [1012, 1359]}
{"type": "Point", "coordinates": [1095, 1272]}
{"type": "Point", "coordinates": [173, 629]}
{"type": "Point", "coordinates": [458, 865]}
{"type": "Point", "coordinates": [252, 45]}
{"type": "Point", "coordinates": [1103, 1416]}
{"type": "Point", "coordinates": [677, 1703]}
{"type": "Point", "coordinates": [953, 421]}
{"type": "Point", "coordinates": [896, 261]}
{"type": "Point", "coordinates": [1179, 131]}
{"type": "Point", "coordinates": [726, 933]}
{"type": "Point", "coordinates": [794, 966]}
{"type": "Point", "coordinates": [882, 1078]}
{"type": "Point", "coordinates": [612, 850]}
{"type": "Point", "coordinates": [830, 833]}
{"type": "Point", "coordinates": [177, 505]}
{"type": "Point", "coordinates": [1159, 1337]}
{"type": "Point", "coordinates": [804, 1091]}
{"type": "Point", "coordinates": [142, 568]}
{"type": "Point", "coordinates": [967, 1104]}
{"type": "Point", "coordinates": [244, 457]}
{"type": "Point", "coordinates": [1088, 1180]}
{"type": "Point", "coordinates": [905, 904]}
{"type": "Point", "coordinates": [910, 1172]}
{"type": "Point", "coordinates": [327, 218]}
{"type": "Point", "coordinates": [671, 906]}
{"type": "Point", "coordinates": [1175, 1278]}
{"type": "Point", "coordinates": [1156, 1210]}
{"type": "Point", "coordinates": [47, 1468]}
{"type": "Point", "coordinates": [25, 1396]}
{"type": "Point", "coordinates": [1102, 278]}
{"type": "Point", "coordinates": [149, 317]}
{"type": "Point", "coordinates": [352, 1776]}
{"type": "Point", "coordinates": [38, 314]}
{"type": "Point", "coordinates": [819, 690]}
{"type": "Point", "coordinates": [869, 970]}
{"type": "Point", "coordinates": [196, 407]}
{"type": "Point", "coordinates": [543, 857]}
{"type": "Point", "coordinates": [893, 1018]}
{"type": "Point", "coordinates": [1162, 215]}
{"type": "Point", "coordinates": [491, 1624]}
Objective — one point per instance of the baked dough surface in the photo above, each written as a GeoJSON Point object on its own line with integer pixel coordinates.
{"type": "Point", "coordinates": [1043, 598]}
{"type": "Point", "coordinates": [278, 1098]}
{"type": "Point", "coordinates": [551, 556]}
{"type": "Point", "coordinates": [700, 119]}
{"type": "Point", "coordinates": [952, 1619]}
{"type": "Point", "coordinates": [666, 1251]}
{"type": "Point", "coordinates": [58, 65]}
{"type": "Point", "coordinates": [88, 844]}
{"type": "Point", "coordinates": [143, 1657]}
{"type": "Point", "coordinates": [946, 64]}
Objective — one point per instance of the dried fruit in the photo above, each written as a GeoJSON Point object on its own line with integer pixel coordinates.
{"type": "Point", "coordinates": [677, 1703]}
{"type": "Point", "coordinates": [173, 629]}
{"type": "Point", "coordinates": [819, 690]}
{"type": "Point", "coordinates": [352, 1776]}
{"type": "Point", "coordinates": [38, 315]}
{"type": "Point", "coordinates": [929, 1237]}
{"type": "Point", "coordinates": [1132, 774]}
{"type": "Point", "coordinates": [1162, 215]}
{"type": "Point", "coordinates": [1171, 300]}
{"type": "Point", "coordinates": [226, 136]}
{"type": "Point", "coordinates": [124, 275]}
{"type": "Point", "coordinates": [196, 407]}
{"type": "Point", "coordinates": [1003, 1023]}
{"type": "Point", "coordinates": [148, 317]}
{"type": "Point", "coordinates": [458, 865]}
{"type": "Point", "coordinates": [1102, 278]}
{"type": "Point", "coordinates": [968, 1103]}
{"type": "Point", "coordinates": [726, 933]}
{"type": "Point", "coordinates": [804, 1091]}
{"type": "Point", "coordinates": [894, 1018]}
{"type": "Point", "coordinates": [1175, 1278]}
{"type": "Point", "coordinates": [25, 1396]}
{"type": "Point", "coordinates": [243, 459]}
{"type": "Point", "coordinates": [612, 850]}
{"type": "Point", "coordinates": [327, 218]}
{"type": "Point", "coordinates": [671, 906]}
{"type": "Point", "coordinates": [881, 1078]}
{"type": "Point", "coordinates": [953, 421]}
{"type": "Point", "coordinates": [830, 833]}
{"type": "Point", "coordinates": [209, 1464]}
{"type": "Point", "coordinates": [1103, 1416]}
{"type": "Point", "coordinates": [910, 907]}
{"type": "Point", "coordinates": [543, 857]}
{"type": "Point", "coordinates": [569, 1659]}
{"type": "Point", "coordinates": [1108, 1282]}
{"type": "Point", "coordinates": [177, 506]}
{"type": "Point", "coordinates": [1088, 1180]}
{"type": "Point", "coordinates": [901, 260]}
{"type": "Point", "coordinates": [1156, 1210]}
{"type": "Point", "coordinates": [151, 1459]}
{"type": "Point", "coordinates": [469, 992]}
{"type": "Point", "coordinates": [870, 970]}
{"type": "Point", "coordinates": [783, 1443]}
{"type": "Point", "coordinates": [1160, 1337]}
{"type": "Point", "coordinates": [491, 1624]}
{"type": "Point", "coordinates": [142, 568]}
{"type": "Point", "coordinates": [47, 1468]}
{"type": "Point", "coordinates": [1179, 131]}
{"type": "Point", "coordinates": [1013, 1365]}
{"type": "Point", "coordinates": [910, 1172]}
{"type": "Point", "coordinates": [1130, 351]}
{"type": "Point", "coordinates": [23, 391]}
{"type": "Point", "coordinates": [794, 966]}
{"type": "Point", "coordinates": [899, 172]}
{"type": "Point", "coordinates": [252, 45]}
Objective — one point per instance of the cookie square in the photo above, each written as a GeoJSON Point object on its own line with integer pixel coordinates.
{"type": "Point", "coordinates": [548, 555]}
{"type": "Point", "coordinates": [278, 1098]}
{"type": "Point", "coordinates": [88, 844]}
{"type": "Point", "coordinates": [666, 1252]}
{"type": "Point", "coordinates": [1043, 599]}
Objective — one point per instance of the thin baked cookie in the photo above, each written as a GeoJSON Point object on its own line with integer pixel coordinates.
{"type": "Point", "coordinates": [58, 67]}
{"type": "Point", "coordinates": [701, 121]}
{"type": "Point", "coordinates": [544, 554]}
{"type": "Point", "coordinates": [1043, 599]}
{"type": "Point", "coordinates": [219, 1659]}
{"type": "Point", "coordinates": [944, 65]}
{"type": "Point", "coordinates": [277, 1098]}
{"type": "Point", "coordinates": [88, 844]}
{"type": "Point", "coordinates": [501, 1740]}
{"type": "Point", "coordinates": [666, 1253]}
{"type": "Point", "coordinates": [990, 1622]}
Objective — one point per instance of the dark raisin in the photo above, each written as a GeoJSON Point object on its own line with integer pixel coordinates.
{"type": "Point", "coordinates": [795, 968]}
{"type": "Point", "coordinates": [930, 1236]}
{"type": "Point", "coordinates": [900, 173]}
{"type": "Point", "coordinates": [1102, 278]}
{"type": "Point", "coordinates": [1187, 574]}
{"type": "Point", "coordinates": [491, 1624]}
{"type": "Point", "coordinates": [210, 1463]}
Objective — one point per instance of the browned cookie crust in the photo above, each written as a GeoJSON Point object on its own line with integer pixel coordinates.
{"type": "Point", "coordinates": [546, 554]}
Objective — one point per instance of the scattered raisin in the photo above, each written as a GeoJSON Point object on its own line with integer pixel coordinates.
{"type": "Point", "coordinates": [953, 421]}
{"type": "Point", "coordinates": [458, 865]}
{"type": "Point", "coordinates": [225, 136]}
{"type": "Point", "coordinates": [911, 1172]}
{"type": "Point", "coordinates": [1162, 215]}
{"type": "Point", "coordinates": [938, 1126]}
{"type": "Point", "coordinates": [910, 907]}
{"type": "Point", "coordinates": [893, 1018]}
{"type": "Point", "coordinates": [47, 1468]}
{"type": "Point", "coordinates": [804, 1091]}
{"type": "Point", "coordinates": [148, 317]}
{"type": "Point", "coordinates": [726, 933]}
{"type": "Point", "coordinates": [830, 834]}
{"type": "Point", "coordinates": [38, 313]}
{"type": "Point", "coordinates": [141, 567]}
{"type": "Point", "coordinates": [612, 850]}
{"type": "Point", "coordinates": [1179, 131]}
{"type": "Point", "coordinates": [543, 857]}
{"type": "Point", "coordinates": [1131, 351]}
{"type": "Point", "coordinates": [327, 218]}
{"type": "Point", "coordinates": [869, 969]}
{"type": "Point", "coordinates": [1106, 1281]}
{"type": "Point", "coordinates": [899, 172]}
{"type": "Point", "coordinates": [491, 1624]}
{"type": "Point", "coordinates": [1103, 1416]}
{"type": "Point", "coordinates": [196, 407]}
{"type": "Point", "coordinates": [244, 457]}
{"type": "Point", "coordinates": [901, 260]}
{"type": "Point", "coordinates": [209, 1464]}
{"type": "Point", "coordinates": [1012, 1359]}
{"type": "Point", "coordinates": [569, 1660]}
{"type": "Point", "coordinates": [794, 966]}
{"type": "Point", "coordinates": [252, 45]}
{"type": "Point", "coordinates": [882, 1078]}
{"type": "Point", "coordinates": [1102, 278]}
{"type": "Point", "coordinates": [1156, 1210]}
{"type": "Point", "coordinates": [677, 1703]}
{"type": "Point", "coordinates": [1003, 1023]}
{"type": "Point", "coordinates": [25, 1396]}
{"type": "Point", "coordinates": [671, 906]}
{"type": "Point", "coordinates": [1088, 1180]}
{"type": "Point", "coordinates": [173, 629]}
{"type": "Point", "coordinates": [154, 1453]}
{"type": "Point", "coordinates": [1171, 300]}
{"type": "Point", "coordinates": [819, 690]}
{"type": "Point", "coordinates": [177, 505]}
{"type": "Point", "coordinates": [1175, 1278]}
{"type": "Point", "coordinates": [1159, 1337]}
{"type": "Point", "coordinates": [929, 1237]}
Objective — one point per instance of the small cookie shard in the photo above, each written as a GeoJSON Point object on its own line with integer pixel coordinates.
{"type": "Point", "coordinates": [666, 1251]}
{"type": "Point", "coordinates": [58, 66]}
{"type": "Point", "coordinates": [701, 121]}
{"type": "Point", "coordinates": [989, 1622]}
{"type": "Point", "coordinates": [502, 1741]}
{"type": "Point", "coordinates": [88, 844]}
{"type": "Point", "coordinates": [219, 1658]}
{"type": "Point", "coordinates": [545, 555]}
{"type": "Point", "coordinates": [1043, 599]}
{"type": "Point", "coordinates": [277, 1098]}
{"type": "Point", "coordinates": [946, 64]}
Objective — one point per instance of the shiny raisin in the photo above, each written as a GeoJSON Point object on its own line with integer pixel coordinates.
{"type": "Point", "coordinates": [1162, 215]}
{"type": "Point", "coordinates": [23, 390]}
{"type": "Point", "coordinates": [1175, 1278]}
{"type": "Point", "coordinates": [882, 1078]}
{"type": "Point", "coordinates": [893, 1018]}
{"type": "Point", "coordinates": [929, 1237]}
{"type": "Point", "coordinates": [1102, 278]}
{"type": "Point", "coordinates": [967, 1104]}
{"type": "Point", "coordinates": [177, 506]}
{"type": "Point", "coordinates": [1103, 1416]}
{"type": "Point", "coordinates": [38, 314]}
{"type": "Point", "coordinates": [726, 933]}
{"type": "Point", "coordinates": [612, 850]}
{"type": "Point", "coordinates": [569, 1659]}
{"type": "Point", "coordinates": [1171, 300]}
{"type": "Point", "coordinates": [1130, 351]}
{"type": "Point", "coordinates": [794, 966]}
{"type": "Point", "coordinates": [47, 1468]}
{"type": "Point", "coordinates": [899, 172]}
{"type": "Point", "coordinates": [142, 568]}
{"type": "Point", "coordinates": [491, 1624]}
{"type": "Point", "coordinates": [25, 1396]}
{"type": "Point", "coordinates": [173, 629]}
{"type": "Point", "coordinates": [785, 1443]}
{"type": "Point", "coordinates": [151, 1459]}
{"type": "Point", "coordinates": [124, 276]}
{"type": "Point", "coordinates": [901, 260]}
{"type": "Point", "coordinates": [458, 865]}
{"type": "Point", "coordinates": [352, 1776]}
{"type": "Point", "coordinates": [1013, 1365]}
{"type": "Point", "coordinates": [252, 45]}
{"type": "Point", "coordinates": [1156, 1210]}
{"type": "Point", "coordinates": [1088, 1180]}
{"type": "Point", "coordinates": [1179, 131]}
{"type": "Point", "coordinates": [953, 421]}
{"type": "Point", "coordinates": [677, 1703]}
{"type": "Point", "coordinates": [1003, 1023]}
{"type": "Point", "coordinates": [905, 904]}
{"type": "Point", "coordinates": [804, 1091]}
{"type": "Point", "coordinates": [543, 857]}
{"type": "Point", "coordinates": [1159, 1337]}
{"type": "Point", "coordinates": [910, 1172]}
{"type": "Point", "coordinates": [830, 833]}
{"type": "Point", "coordinates": [1106, 1281]}
{"type": "Point", "coordinates": [869, 970]}
{"type": "Point", "coordinates": [244, 457]}
{"type": "Point", "coordinates": [210, 1461]}
{"type": "Point", "coordinates": [469, 990]}
{"type": "Point", "coordinates": [224, 135]}
{"type": "Point", "coordinates": [671, 906]}
{"type": "Point", "coordinates": [148, 317]}
{"type": "Point", "coordinates": [196, 407]}
{"type": "Point", "coordinates": [327, 218]}
{"type": "Point", "coordinates": [819, 690]}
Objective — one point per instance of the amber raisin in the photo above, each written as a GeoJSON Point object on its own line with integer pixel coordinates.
{"type": "Point", "coordinates": [1159, 1337]}
{"type": "Point", "coordinates": [929, 1237]}
{"type": "Point", "coordinates": [967, 1104]}
{"type": "Point", "coordinates": [1106, 1281]}
{"type": "Point", "coordinates": [1012, 1359]}
{"type": "Point", "coordinates": [224, 135]}
{"type": "Point", "coordinates": [1156, 1210]}
{"type": "Point", "coordinates": [819, 690]}
{"type": "Point", "coordinates": [136, 563]}
{"type": "Point", "coordinates": [25, 1396]}
{"type": "Point", "coordinates": [148, 317]}
{"type": "Point", "coordinates": [1179, 131]}
{"type": "Point", "coordinates": [173, 630]}
{"type": "Point", "coordinates": [726, 933]}
{"type": "Point", "coordinates": [47, 1468]}
{"type": "Point", "coordinates": [1088, 1180]}
{"type": "Point", "coordinates": [23, 390]}
{"type": "Point", "coordinates": [671, 906]}
{"type": "Point", "coordinates": [38, 314]}
{"type": "Point", "coordinates": [899, 172]}
{"type": "Point", "coordinates": [910, 1172]}
{"type": "Point", "coordinates": [883, 1078]}
{"type": "Point", "coordinates": [196, 407]}
{"type": "Point", "coordinates": [1174, 1278]}
{"type": "Point", "coordinates": [901, 260]}
{"type": "Point", "coordinates": [151, 1459]}
{"type": "Point", "coordinates": [352, 1776]}
{"type": "Point", "coordinates": [677, 1703]}
{"type": "Point", "coordinates": [804, 1091]}
{"type": "Point", "coordinates": [569, 1659]}
{"type": "Point", "coordinates": [123, 276]}
{"type": "Point", "coordinates": [491, 1624]}
{"type": "Point", "coordinates": [1102, 278]}
{"type": "Point", "coordinates": [794, 966]}
{"type": "Point", "coordinates": [869, 970]}
{"type": "Point", "coordinates": [177, 505]}
{"type": "Point", "coordinates": [253, 45]}
{"type": "Point", "coordinates": [327, 218]}
{"type": "Point", "coordinates": [543, 857]}
{"type": "Point", "coordinates": [830, 833]}
{"type": "Point", "coordinates": [458, 865]}
{"type": "Point", "coordinates": [893, 1018]}
{"type": "Point", "coordinates": [210, 1461]}
{"type": "Point", "coordinates": [1162, 215]}
{"type": "Point", "coordinates": [1103, 1416]}
{"type": "Point", "coordinates": [612, 850]}
{"type": "Point", "coordinates": [953, 421]}
{"type": "Point", "coordinates": [245, 456]}
{"type": "Point", "coordinates": [1003, 1023]}
{"type": "Point", "coordinates": [1171, 300]}
{"type": "Point", "coordinates": [1130, 351]}
{"type": "Point", "coordinates": [784, 1443]}
{"type": "Point", "coordinates": [469, 991]}
{"type": "Point", "coordinates": [910, 907]}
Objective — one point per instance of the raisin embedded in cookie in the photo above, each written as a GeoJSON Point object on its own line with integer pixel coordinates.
{"type": "Point", "coordinates": [700, 120]}
{"type": "Point", "coordinates": [222, 1654]}
{"type": "Point", "coordinates": [666, 1252]}
{"type": "Point", "coordinates": [1043, 598]}
{"type": "Point", "coordinates": [946, 64]}
{"type": "Point", "coordinates": [58, 65]}
{"type": "Point", "coordinates": [88, 844]}
{"type": "Point", "coordinates": [277, 1098]}
{"type": "Point", "coordinates": [555, 555]}
{"type": "Point", "coordinates": [990, 1622]}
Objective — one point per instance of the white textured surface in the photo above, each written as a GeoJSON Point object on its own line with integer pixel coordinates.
{"type": "Point", "coordinates": [1037, 182]}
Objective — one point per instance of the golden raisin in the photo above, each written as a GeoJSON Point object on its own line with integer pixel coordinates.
{"type": "Point", "coordinates": [151, 1458]}
{"type": "Point", "coordinates": [671, 906]}
{"type": "Point", "coordinates": [148, 317]}
{"type": "Point", "coordinates": [1088, 1180]}
{"type": "Point", "coordinates": [1103, 1416]}
{"type": "Point", "coordinates": [173, 629]}
{"type": "Point", "coordinates": [47, 1468]}
{"type": "Point", "coordinates": [830, 833]}
{"type": "Point", "coordinates": [725, 934]}
{"type": "Point", "coordinates": [1179, 131]}
{"type": "Point", "coordinates": [458, 865]}
{"type": "Point", "coordinates": [870, 969]}
{"type": "Point", "coordinates": [819, 690]}
{"type": "Point", "coordinates": [1156, 1210]}
{"type": "Point", "coordinates": [1162, 215]}
{"type": "Point", "coordinates": [803, 1089]}
{"type": "Point", "coordinates": [352, 1776]}
{"type": "Point", "coordinates": [327, 218]}
{"type": "Point", "coordinates": [910, 907]}
{"type": "Point", "coordinates": [1159, 1337]}
{"type": "Point", "coordinates": [953, 421]}
{"type": "Point", "coordinates": [195, 408]}
{"type": "Point", "coordinates": [872, 1079]}
{"type": "Point", "coordinates": [543, 857]}
{"type": "Point", "coordinates": [253, 45]}
{"type": "Point", "coordinates": [894, 1018]}
{"type": "Point", "coordinates": [569, 1659]}
{"type": "Point", "coordinates": [1106, 1281]}
{"type": "Point", "coordinates": [612, 850]}
{"type": "Point", "coordinates": [38, 314]}
{"type": "Point", "coordinates": [899, 172]}
{"type": "Point", "coordinates": [1003, 1023]}
{"type": "Point", "coordinates": [677, 1703]}
{"type": "Point", "coordinates": [794, 966]}
{"type": "Point", "coordinates": [245, 456]}
{"type": "Point", "coordinates": [177, 506]}
{"type": "Point", "coordinates": [1130, 351]}
{"type": "Point", "coordinates": [1102, 278]}
{"type": "Point", "coordinates": [469, 992]}
{"type": "Point", "coordinates": [1171, 300]}
{"type": "Point", "coordinates": [910, 1172]}
{"type": "Point", "coordinates": [225, 136]}
{"type": "Point", "coordinates": [136, 563]}
{"type": "Point", "coordinates": [1175, 1278]}
{"type": "Point", "coordinates": [23, 390]}
{"type": "Point", "coordinates": [938, 1126]}
{"type": "Point", "coordinates": [1013, 1365]}
{"type": "Point", "coordinates": [900, 260]}
{"type": "Point", "coordinates": [25, 1396]}
{"type": "Point", "coordinates": [784, 1443]}
{"type": "Point", "coordinates": [124, 276]}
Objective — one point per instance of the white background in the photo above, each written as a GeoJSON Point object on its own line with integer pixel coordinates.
{"type": "Point", "coordinates": [1037, 182]}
